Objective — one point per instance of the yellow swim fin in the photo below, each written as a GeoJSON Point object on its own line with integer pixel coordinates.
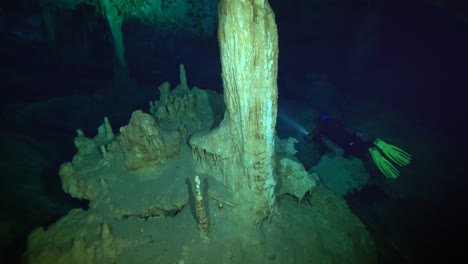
{"type": "Point", "coordinates": [384, 165]}
{"type": "Point", "coordinates": [395, 154]}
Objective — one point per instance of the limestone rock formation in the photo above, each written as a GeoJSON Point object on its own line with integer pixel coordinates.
{"type": "Point", "coordinates": [293, 179]}
{"type": "Point", "coordinates": [140, 182]}
{"type": "Point", "coordinates": [342, 175]}
{"type": "Point", "coordinates": [180, 105]}
{"type": "Point", "coordinates": [144, 143]}
{"type": "Point", "coordinates": [240, 152]}
{"type": "Point", "coordinates": [149, 212]}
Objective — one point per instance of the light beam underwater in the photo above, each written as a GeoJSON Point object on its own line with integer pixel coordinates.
{"type": "Point", "coordinates": [292, 123]}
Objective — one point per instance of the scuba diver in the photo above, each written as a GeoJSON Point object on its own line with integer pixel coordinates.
{"type": "Point", "coordinates": [340, 140]}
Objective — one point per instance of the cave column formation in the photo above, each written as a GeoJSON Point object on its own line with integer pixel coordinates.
{"type": "Point", "coordinates": [48, 18]}
{"type": "Point", "coordinates": [114, 16]}
{"type": "Point", "coordinates": [240, 152]}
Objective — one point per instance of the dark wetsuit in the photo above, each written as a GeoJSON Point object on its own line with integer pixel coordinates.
{"type": "Point", "coordinates": [333, 132]}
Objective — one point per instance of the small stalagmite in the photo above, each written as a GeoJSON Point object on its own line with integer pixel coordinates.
{"type": "Point", "coordinates": [203, 223]}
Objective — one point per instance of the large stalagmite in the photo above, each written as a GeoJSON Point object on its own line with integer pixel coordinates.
{"type": "Point", "coordinates": [240, 152]}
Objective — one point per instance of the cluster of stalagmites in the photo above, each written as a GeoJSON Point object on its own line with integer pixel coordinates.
{"type": "Point", "coordinates": [151, 140]}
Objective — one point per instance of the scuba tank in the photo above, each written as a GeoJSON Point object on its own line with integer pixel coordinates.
{"type": "Point", "coordinates": [332, 146]}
